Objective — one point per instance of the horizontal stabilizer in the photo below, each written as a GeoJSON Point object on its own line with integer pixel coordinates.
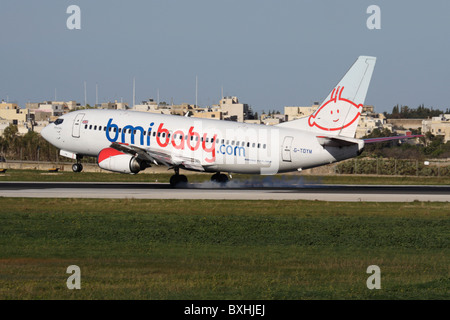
{"type": "Point", "coordinates": [382, 139]}
{"type": "Point", "coordinates": [338, 141]}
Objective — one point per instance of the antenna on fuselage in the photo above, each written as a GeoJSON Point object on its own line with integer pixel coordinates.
{"type": "Point", "coordinates": [134, 91]}
{"type": "Point", "coordinates": [196, 90]}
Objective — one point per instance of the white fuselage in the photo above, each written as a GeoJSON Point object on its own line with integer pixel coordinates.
{"type": "Point", "coordinates": [218, 145]}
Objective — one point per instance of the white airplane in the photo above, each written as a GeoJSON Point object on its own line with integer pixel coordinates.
{"type": "Point", "coordinates": [130, 141]}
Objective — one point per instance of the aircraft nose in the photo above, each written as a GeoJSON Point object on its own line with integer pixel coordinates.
{"type": "Point", "coordinates": [45, 132]}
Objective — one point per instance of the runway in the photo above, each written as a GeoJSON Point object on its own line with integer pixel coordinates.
{"type": "Point", "coordinates": [212, 191]}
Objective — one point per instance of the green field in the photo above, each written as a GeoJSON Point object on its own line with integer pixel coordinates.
{"type": "Point", "coordinates": [198, 249]}
{"type": "Point", "coordinates": [36, 175]}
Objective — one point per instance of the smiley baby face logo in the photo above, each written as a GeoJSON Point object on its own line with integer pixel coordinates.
{"type": "Point", "coordinates": [335, 114]}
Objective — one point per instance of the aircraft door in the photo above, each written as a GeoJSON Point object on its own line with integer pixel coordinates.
{"type": "Point", "coordinates": [77, 125]}
{"type": "Point", "coordinates": [286, 149]}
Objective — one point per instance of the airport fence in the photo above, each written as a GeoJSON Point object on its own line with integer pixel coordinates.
{"type": "Point", "coordinates": [432, 168]}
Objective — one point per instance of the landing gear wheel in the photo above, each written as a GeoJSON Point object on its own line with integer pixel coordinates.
{"type": "Point", "coordinates": [219, 178]}
{"type": "Point", "coordinates": [178, 180]}
{"type": "Point", "coordinates": [77, 167]}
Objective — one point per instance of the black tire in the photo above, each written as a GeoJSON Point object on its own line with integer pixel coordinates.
{"type": "Point", "coordinates": [219, 178]}
{"type": "Point", "coordinates": [77, 167]}
{"type": "Point", "coordinates": [178, 180]}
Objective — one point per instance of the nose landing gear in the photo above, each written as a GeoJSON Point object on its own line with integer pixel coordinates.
{"type": "Point", "coordinates": [77, 167]}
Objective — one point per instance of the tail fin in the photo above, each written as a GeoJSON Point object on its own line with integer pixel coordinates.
{"type": "Point", "coordinates": [340, 112]}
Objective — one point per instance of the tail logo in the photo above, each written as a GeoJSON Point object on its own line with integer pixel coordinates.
{"type": "Point", "coordinates": [335, 114]}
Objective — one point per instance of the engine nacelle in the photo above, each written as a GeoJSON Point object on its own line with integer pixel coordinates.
{"type": "Point", "coordinates": [113, 160]}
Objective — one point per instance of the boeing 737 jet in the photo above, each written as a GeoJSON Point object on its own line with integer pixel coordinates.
{"type": "Point", "coordinates": [130, 141]}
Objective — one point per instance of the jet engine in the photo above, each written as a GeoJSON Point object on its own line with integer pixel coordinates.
{"type": "Point", "coordinates": [116, 161]}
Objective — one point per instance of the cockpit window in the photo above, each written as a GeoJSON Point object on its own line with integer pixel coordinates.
{"type": "Point", "coordinates": [59, 121]}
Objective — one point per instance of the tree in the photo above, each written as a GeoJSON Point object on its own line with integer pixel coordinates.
{"type": "Point", "coordinates": [11, 136]}
{"type": "Point", "coordinates": [3, 146]}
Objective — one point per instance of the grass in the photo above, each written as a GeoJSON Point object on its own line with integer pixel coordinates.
{"type": "Point", "coordinates": [199, 249]}
{"type": "Point", "coordinates": [36, 175]}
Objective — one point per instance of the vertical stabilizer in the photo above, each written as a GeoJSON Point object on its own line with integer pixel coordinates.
{"type": "Point", "coordinates": [340, 112]}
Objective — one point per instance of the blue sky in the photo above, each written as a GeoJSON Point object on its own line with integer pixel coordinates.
{"type": "Point", "coordinates": [269, 54]}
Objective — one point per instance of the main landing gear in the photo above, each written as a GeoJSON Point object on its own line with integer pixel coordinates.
{"type": "Point", "coordinates": [178, 180]}
{"type": "Point", "coordinates": [219, 178]}
{"type": "Point", "coordinates": [77, 167]}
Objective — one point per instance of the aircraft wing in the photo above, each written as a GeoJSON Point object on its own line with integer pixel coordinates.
{"type": "Point", "coordinates": [159, 157]}
{"type": "Point", "coordinates": [382, 139]}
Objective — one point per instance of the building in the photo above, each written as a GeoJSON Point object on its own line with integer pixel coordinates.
{"type": "Point", "coordinates": [12, 113]}
{"type": "Point", "coordinates": [54, 108]}
{"type": "Point", "coordinates": [146, 106]}
{"type": "Point", "coordinates": [235, 111]}
{"type": "Point", "coordinates": [406, 124]}
{"type": "Point", "coordinates": [293, 113]}
{"type": "Point", "coordinates": [182, 109]}
{"type": "Point", "coordinates": [272, 119]}
{"type": "Point", "coordinates": [438, 126]}
{"type": "Point", "coordinates": [208, 114]}
{"type": "Point", "coordinates": [369, 122]}
{"type": "Point", "coordinates": [114, 105]}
